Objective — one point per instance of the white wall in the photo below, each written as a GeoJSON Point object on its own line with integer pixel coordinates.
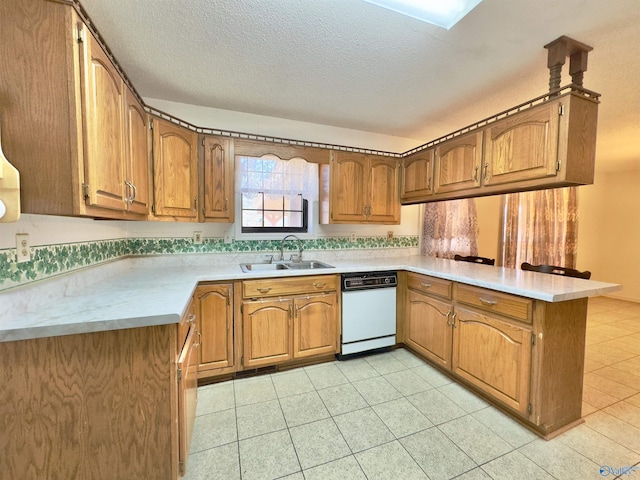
{"type": "Point", "coordinates": [609, 230]}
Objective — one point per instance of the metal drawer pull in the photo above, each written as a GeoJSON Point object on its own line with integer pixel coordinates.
{"type": "Point", "coordinates": [453, 320]}
{"type": "Point", "coordinates": [426, 285]}
{"type": "Point", "coordinates": [319, 285]}
{"type": "Point", "coordinates": [264, 290]}
{"type": "Point", "coordinates": [191, 318]}
{"type": "Point", "coordinates": [199, 340]}
{"type": "Point", "coordinates": [448, 315]}
{"type": "Point", "coordinates": [487, 302]}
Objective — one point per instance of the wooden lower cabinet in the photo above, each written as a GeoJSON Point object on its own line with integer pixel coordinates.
{"type": "Point", "coordinates": [214, 306]}
{"type": "Point", "coordinates": [300, 320]}
{"type": "Point", "coordinates": [428, 328]}
{"type": "Point", "coordinates": [267, 332]}
{"type": "Point", "coordinates": [99, 405]}
{"type": "Point", "coordinates": [494, 355]}
{"type": "Point", "coordinates": [524, 355]}
{"type": "Point", "coordinates": [315, 328]}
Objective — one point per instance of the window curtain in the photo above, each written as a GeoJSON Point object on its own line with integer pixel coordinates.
{"type": "Point", "coordinates": [273, 176]}
{"type": "Point", "coordinates": [450, 228]}
{"type": "Point", "coordinates": [541, 227]}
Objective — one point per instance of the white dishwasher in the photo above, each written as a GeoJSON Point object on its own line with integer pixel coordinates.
{"type": "Point", "coordinates": [368, 311]}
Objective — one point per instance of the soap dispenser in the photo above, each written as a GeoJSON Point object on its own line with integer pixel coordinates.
{"type": "Point", "coordinates": [9, 189]}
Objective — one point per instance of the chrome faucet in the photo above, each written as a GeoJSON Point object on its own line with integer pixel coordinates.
{"type": "Point", "coordinates": [299, 248]}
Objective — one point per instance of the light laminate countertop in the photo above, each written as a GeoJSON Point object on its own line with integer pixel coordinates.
{"type": "Point", "coordinates": [141, 294]}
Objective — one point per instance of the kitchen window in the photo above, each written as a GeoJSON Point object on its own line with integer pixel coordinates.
{"type": "Point", "coordinates": [275, 194]}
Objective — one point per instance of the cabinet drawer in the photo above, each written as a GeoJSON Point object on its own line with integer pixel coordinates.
{"type": "Point", "coordinates": [270, 287]}
{"type": "Point", "coordinates": [501, 303]}
{"type": "Point", "coordinates": [429, 285]}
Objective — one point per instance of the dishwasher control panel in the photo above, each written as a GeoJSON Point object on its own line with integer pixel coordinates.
{"type": "Point", "coordinates": [362, 281]}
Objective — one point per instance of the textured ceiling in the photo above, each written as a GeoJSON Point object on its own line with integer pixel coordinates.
{"type": "Point", "coordinates": [350, 64]}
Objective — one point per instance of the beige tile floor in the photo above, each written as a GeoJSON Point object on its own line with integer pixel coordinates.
{"type": "Point", "coordinates": [391, 416]}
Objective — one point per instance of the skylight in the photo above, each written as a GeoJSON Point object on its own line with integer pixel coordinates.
{"type": "Point", "coordinates": [442, 13]}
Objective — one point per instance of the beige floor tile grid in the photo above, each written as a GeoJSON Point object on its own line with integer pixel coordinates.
{"type": "Point", "coordinates": [390, 416]}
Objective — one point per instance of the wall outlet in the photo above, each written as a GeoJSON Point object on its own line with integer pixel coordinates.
{"type": "Point", "coordinates": [23, 250]}
{"type": "Point", "coordinates": [197, 238]}
{"type": "Point", "coordinates": [352, 237]}
{"type": "Point", "coordinates": [390, 236]}
{"type": "Point", "coordinates": [228, 238]}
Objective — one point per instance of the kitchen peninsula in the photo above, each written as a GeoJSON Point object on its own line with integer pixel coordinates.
{"type": "Point", "coordinates": [89, 388]}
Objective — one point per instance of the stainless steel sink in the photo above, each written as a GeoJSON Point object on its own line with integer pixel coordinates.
{"type": "Point", "coordinates": [308, 264]}
{"type": "Point", "coordinates": [254, 267]}
{"type": "Point", "coordinates": [304, 265]}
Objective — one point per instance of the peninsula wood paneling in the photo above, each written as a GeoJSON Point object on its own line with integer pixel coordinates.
{"type": "Point", "coordinates": [96, 405]}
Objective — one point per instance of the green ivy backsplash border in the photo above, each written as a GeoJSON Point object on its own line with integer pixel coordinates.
{"type": "Point", "coordinates": [51, 260]}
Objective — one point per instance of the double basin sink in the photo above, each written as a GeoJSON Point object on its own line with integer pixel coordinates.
{"type": "Point", "coordinates": [291, 265]}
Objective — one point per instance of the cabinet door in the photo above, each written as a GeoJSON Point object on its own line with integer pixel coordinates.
{"type": "Point", "coordinates": [175, 170]}
{"type": "Point", "coordinates": [523, 147]}
{"type": "Point", "coordinates": [349, 187]}
{"type": "Point", "coordinates": [494, 355]}
{"type": "Point", "coordinates": [218, 180]}
{"type": "Point", "coordinates": [103, 128]}
{"type": "Point", "coordinates": [187, 397]}
{"type": "Point", "coordinates": [383, 199]}
{"type": "Point", "coordinates": [266, 332]}
{"type": "Point", "coordinates": [428, 327]}
{"type": "Point", "coordinates": [417, 176]}
{"type": "Point", "coordinates": [315, 326]}
{"type": "Point", "coordinates": [137, 155]}
{"type": "Point", "coordinates": [458, 163]}
{"type": "Point", "coordinates": [215, 324]}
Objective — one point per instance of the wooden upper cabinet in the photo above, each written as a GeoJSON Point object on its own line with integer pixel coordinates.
{"type": "Point", "coordinates": [416, 181]}
{"type": "Point", "coordinates": [218, 179]}
{"type": "Point", "coordinates": [364, 189]}
{"type": "Point", "coordinates": [103, 128]}
{"type": "Point", "coordinates": [137, 156]}
{"type": "Point", "coordinates": [349, 187]}
{"type": "Point", "coordinates": [384, 203]}
{"type": "Point", "coordinates": [458, 163]}
{"type": "Point", "coordinates": [522, 147]}
{"type": "Point", "coordinates": [175, 166]}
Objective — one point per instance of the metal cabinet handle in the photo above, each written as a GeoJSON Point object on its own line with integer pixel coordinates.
{"type": "Point", "coordinates": [195, 203]}
{"type": "Point", "coordinates": [448, 315]}
{"type": "Point", "coordinates": [226, 204]}
{"type": "Point", "coordinates": [475, 173]}
{"type": "Point", "coordinates": [135, 192]}
{"type": "Point", "coordinates": [453, 320]}
{"type": "Point", "coordinates": [128, 198]}
{"type": "Point", "coordinates": [264, 290]}
{"type": "Point", "coordinates": [191, 318]}
{"type": "Point", "coordinates": [427, 285]}
{"type": "Point", "coordinates": [199, 340]}
{"type": "Point", "coordinates": [487, 302]}
{"type": "Point", "coordinates": [319, 285]}
{"type": "Point", "coordinates": [486, 172]}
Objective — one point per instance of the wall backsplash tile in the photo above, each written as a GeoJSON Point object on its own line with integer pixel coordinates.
{"type": "Point", "coordinates": [52, 260]}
